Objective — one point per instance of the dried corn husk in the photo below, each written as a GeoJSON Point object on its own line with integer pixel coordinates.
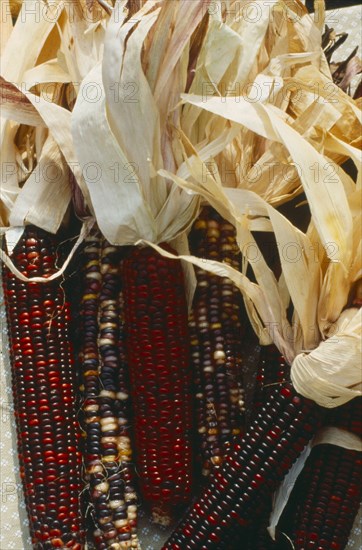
{"type": "Point", "coordinates": [289, 71]}
{"type": "Point", "coordinates": [38, 111]}
{"type": "Point", "coordinates": [60, 42]}
{"type": "Point", "coordinates": [138, 105]}
{"type": "Point", "coordinates": [331, 373]}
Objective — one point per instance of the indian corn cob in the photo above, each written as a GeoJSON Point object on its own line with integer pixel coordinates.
{"type": "Point", "coordinates": [347, 417]}
{"type": "Point", "coordinates": [329, 495]}
{"type": "Point", "coordinates": [43, 382]}
{"type": "Point", "coordinates": [158, 358]}
{"type": "Point", "coordinates": [238, 491]}
{"type": "Point", "coordinates": [272, 370]}
{"type": "Point", "coordinates": [328, 492]}
{"type": "Point", "coordinates": [257, 537]}
{"type": "Point", "coordinates": [106, 399]}
{"type": "Point", "coordinates": [216, 335]}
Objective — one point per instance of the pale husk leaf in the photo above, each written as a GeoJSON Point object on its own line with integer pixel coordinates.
{"type": "Point", "coordinates": [45, 197]}
{"type": "Point", "coordinates": [117, 184]}
{"type": "Point", "coordinates": [153, 208]}
{"type": "Point", "coordinates": [32, 38]}
{"type": "Point", "coordinates": [331, 373]}
{"type": "Point", "coordinates": [328, 203]}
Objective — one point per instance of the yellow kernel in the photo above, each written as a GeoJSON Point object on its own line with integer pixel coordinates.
{"type": "Point", "coordinates": [91, 373]}
{"type": "Point", "coordinates": [90, 356]}
{"type": "Point", "coordinates": [227, 292]}
{"type": "Point", "coordinates": [132, 508]}
{"type": "Point", "coordinates": [122, 395]}
{"type": "Point", "coordinates": [103, 487]}
{"type": "Point", "coordinates": [109, 303]}
{"type": "Point", "coordinates": [105, 520]}
{"type": "Point", "coordinates": [109, 250]}
{"type": "Point", "coordinates": [107, 325]}
{"type": "Point", "coordinates": [106, 393]}
{"type": "Point", "coordinates": [92, 419]}
{"type": "Point", "coordinates": [125, 452]}
{"type": "Point", "coordinates": [107, 427]}
{"type": "Point", "coordinates": [106, 341]}
{"type": "Point", "coordinates": [109, 439]}
{"type": "Point", "coordinates": [120, 522]}
{"type": "Point", "coordinates": [110, 458]}
{"type": "Point", "coordinates": [94, 275]}
{"type": "Point", "coordinates": [90, 297]}
{"type": "Point", "coordinates": [130, 496]}
{"type": "Point", "coordinates": [91, 408]}
{"type": "Point", "coordinates": [95, 468]}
